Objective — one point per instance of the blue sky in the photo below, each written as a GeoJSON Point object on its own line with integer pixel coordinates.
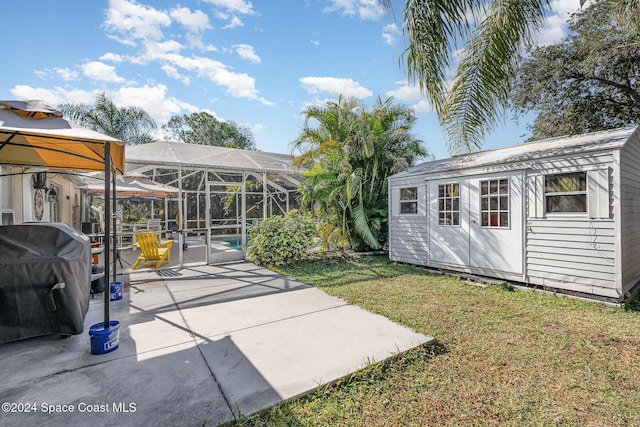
{"type": "Point", "coordinates": [257, 63]}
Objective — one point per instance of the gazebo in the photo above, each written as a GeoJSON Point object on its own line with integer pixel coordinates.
{"type": "Point", "coordinates": [222, 191]}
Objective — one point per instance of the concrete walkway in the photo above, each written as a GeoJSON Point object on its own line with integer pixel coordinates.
{"type": "Point", "coordinates": [197, 345]}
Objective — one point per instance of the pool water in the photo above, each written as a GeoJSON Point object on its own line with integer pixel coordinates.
{"type": "Point", "coordinates": [235, 242]}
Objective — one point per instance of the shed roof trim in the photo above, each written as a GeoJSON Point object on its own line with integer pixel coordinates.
{"type": "Point", "coordinates": [546, 148]}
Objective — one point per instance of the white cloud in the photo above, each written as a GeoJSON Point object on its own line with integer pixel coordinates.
{"type": "Point", "coordinates": [158, 50]}
{"type": "Point", "coordinates": [172, 72]}
{"type": "Point", "coordinates": [246, 52]}
{"type": "Point", "coordinates": [112, 57]}
{"type": "Point", "coordinates": [194, 22]}
{"type": "Point", "coordinates": [422, 106]}
{"type": "Point", "coordinates": [405, 92]}
{"type": "Point", "coordinates": [130, 18]}
{"type": "Point", "coordinates": [365, 9]}
{"type": "Point", "coordinates": [54, 96]}
{"type": "Point", "coordinates": [552, 32]}
{"type": "Point", "coordinates": [390, 32]}
{"type": "Point", "coordinates": [238, 85]}
{"type": "Point", "coordinates": [238, 6]}
{"type": "Point", "coordinates": [555, 25]}
{"type": "Point", "coordinates": [43, 74]}
{"type": "Point", "coordinates": [411, 96]}
{"type": "Point", "coordinates": [152, 99]}
{"type": "Point", "coordinates": [195, 40]}
{"type": "Point", "coordinates": [100, 71]}
{"type": "Point", "coordinates": [235, 22]}
{"type": "Point", "coordinates": [334, 85]}
{"type": "Point", "coordinates": [66, 74]}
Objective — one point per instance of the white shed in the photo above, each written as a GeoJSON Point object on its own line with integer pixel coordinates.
{"type": "Point", "coordinates": [561, 213]}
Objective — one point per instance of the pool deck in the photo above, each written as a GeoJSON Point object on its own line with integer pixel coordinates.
{"type": "Point", "coordinates": [201, 345]}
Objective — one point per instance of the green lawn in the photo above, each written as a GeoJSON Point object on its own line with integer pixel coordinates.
{"type": "Point", "coordinates": [502, 358]}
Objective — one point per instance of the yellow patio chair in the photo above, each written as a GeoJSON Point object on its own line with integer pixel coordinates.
{"type": "Point", "coordinates": [152, 250]}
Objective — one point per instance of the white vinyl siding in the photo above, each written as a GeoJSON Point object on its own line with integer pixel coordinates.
{"type": "Point", "coordinates": [574, 251]}
{"type": "Point", "coordinates": [409, 239]}
{"type": "Point", "coordinates": [535, 196]}
{"type": "Point", "coordinates": [630, 213]}
{"type": "Point", "coordinates": [409, 233]}
{"type": "Point", "coordinates": [579, 252]}
{"type": "Point", "coordinates": [599, 186]}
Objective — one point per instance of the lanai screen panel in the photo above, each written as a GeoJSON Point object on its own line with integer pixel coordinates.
{"type": "Point", "coordinates": [223, 190]}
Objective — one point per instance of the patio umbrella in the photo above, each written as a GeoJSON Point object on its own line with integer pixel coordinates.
{"type": "Point", "coordinates": [34, 134]}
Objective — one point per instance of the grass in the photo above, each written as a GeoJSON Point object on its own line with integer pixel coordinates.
{"type": "Point", "coordinates": [502, 358]}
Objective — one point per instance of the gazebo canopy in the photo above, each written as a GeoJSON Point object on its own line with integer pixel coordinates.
{"type": "Point", "coordinates": [34, 134]}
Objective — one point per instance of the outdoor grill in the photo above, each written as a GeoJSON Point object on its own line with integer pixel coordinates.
{"type": "Point", "coordinates": [45, 280]}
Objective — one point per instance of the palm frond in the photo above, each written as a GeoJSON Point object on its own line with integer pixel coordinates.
{"type": "Point", "coordinates": [433, 27]}
{"type": "Point", "coordinates": [493, 35]}
{"type": "Point", "coordinates": [481, 90]}
{"type": "Point", "coordinates": [361, 225]}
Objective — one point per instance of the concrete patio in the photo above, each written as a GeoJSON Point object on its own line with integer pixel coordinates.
{"type": "Point", "coordinates": [198, 345]}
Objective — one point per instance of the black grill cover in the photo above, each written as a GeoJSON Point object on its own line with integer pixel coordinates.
{"type": "Point", "coordinates": [45, 280]}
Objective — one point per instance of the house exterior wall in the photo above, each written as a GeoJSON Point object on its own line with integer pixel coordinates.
{"type": "Point", "coordinates": [629, 201]}
{"type": "Point", "coordinates": [67, 205]}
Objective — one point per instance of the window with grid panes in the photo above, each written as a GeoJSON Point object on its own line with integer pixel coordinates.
{"type": "Point", "coordinates": [449, 204]}
{"type": "Point", "coordinates": [409, 200]}
{"type": "Point", "coordinates": [494, 203]}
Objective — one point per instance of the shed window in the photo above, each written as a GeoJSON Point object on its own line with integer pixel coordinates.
{"type": "Point", "coordinates": [409, 200]}
{"type": "Point", "coordinates": [566, 193]}
{"type": "Point", "coordinates": [494, 203]}
{"type": "Point", "coordinates": [449, 204]}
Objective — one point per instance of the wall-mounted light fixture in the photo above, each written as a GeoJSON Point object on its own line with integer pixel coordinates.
{"type": "Point", "coordinates": [39, 180]}
{"type": "Point", "coordinates": [52, 195]}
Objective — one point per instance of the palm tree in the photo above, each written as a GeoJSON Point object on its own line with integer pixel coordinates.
{"type": "Point", "coordinates": [348, 154]}
{"type": "Point", "coordinates": [130, 124]}
{"type": "Point", "coordinates": [492, 35]}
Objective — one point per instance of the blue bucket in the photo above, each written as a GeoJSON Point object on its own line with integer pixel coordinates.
{"type": "Point", "coordinates": [104, 340]}
{"type": "Point", "coordinates": [115, 289]}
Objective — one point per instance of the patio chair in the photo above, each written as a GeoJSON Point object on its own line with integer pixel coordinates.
{"type": "Point", "coordinates": [152, 250]}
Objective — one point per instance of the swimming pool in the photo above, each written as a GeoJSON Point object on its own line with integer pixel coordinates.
{"type": "Point", "coordinates": [235, 242]}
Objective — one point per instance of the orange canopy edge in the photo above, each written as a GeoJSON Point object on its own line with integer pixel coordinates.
{"type": "Point", "coordinates": [33, 134]}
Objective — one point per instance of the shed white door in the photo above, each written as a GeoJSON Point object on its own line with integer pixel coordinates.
{"type": "Point", "coordinates": [496, 231]}
{"type": "Point", "coordinates": [477, 222]}
{"type": "Point", "coordinates": [449, 222]}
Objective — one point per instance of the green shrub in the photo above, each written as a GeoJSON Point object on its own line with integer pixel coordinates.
{"type": "Point", "coordinates": [280, 240]}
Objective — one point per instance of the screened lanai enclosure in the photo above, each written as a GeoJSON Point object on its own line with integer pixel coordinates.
{"type": "Point", "coordinates": [222, 193]}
